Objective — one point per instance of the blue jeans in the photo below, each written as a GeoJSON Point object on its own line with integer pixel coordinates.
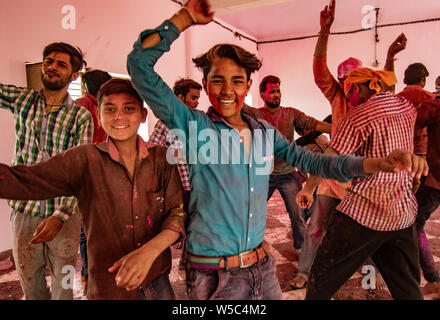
{"type": "Point", "coordinates": [257, 282]}
{"type": "Point", "coordinates": [159, 289]}
{"type": "Point", "coordinates": [289, 185]}
{"type": "Point", "coordinates": [428, 200]}
{"type": "Point", "coordinates": [322, 209]}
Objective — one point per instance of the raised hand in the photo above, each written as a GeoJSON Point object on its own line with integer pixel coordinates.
{"type": "Point", "coordinates": [327, 16]}
{"type": "Point", "coordinates": [200, 11]}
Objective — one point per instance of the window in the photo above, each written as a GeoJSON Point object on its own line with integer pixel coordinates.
{"type": "Point", "coordinates": [76, 91]}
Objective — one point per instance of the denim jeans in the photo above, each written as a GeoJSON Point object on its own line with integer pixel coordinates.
{"type": "Point", "coordinates": [345, 247]}
{"type": "Point", "coordinates": [289, 185]}
{"type": "Point", "coordinates": [322, 209]}
{"type": "Point", "coordinates": [428, 200]}
{"type": "Point", "coordinates": [83, 253]}
{"type": "Point", "coordinates": [159, 289]}
{"type": "Point", "coordinates": [257, 282]}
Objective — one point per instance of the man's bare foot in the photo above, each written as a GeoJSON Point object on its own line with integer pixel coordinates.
{"type": "Point", "coordinates": [299, 281]}
{"type": "Point", "coordinates": [380, 282]}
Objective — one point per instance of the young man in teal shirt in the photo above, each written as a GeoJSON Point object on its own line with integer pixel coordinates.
{"type": "Point", "coordinates": [229, 189]}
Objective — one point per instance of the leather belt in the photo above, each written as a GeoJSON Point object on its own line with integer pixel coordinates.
{"type": "Point", "coordinates": [242, 260]}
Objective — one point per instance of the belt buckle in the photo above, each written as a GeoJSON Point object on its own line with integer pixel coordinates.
{"type": "Point", "coordinates": [240, 258]}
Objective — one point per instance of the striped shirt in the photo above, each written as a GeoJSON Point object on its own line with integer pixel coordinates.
{"type": "Point", "coordinates": [159, 136]}
{"type": "Point", "coordinates": [40, 136]}
{"type": "Point", "coordinates": [382, 201]}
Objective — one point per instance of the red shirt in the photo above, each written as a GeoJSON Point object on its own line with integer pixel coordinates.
{"type": "Point", "coordinates": [382, 201]}
{"type": "Point", "coordinates": [428, 115]}
{"type": "Point", "coordinates": [89, 102]}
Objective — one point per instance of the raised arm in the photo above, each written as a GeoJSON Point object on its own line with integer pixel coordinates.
{"type": "Point", "coordinates": [398, 45]}
{"type": "Point", "coordinates": [326, 20]}
{"type": "Point", "coordinates": [194, 12]}
{"type": "Point", "coordinates": [150, 46]}
{"type": "Point", "coordinates": [323, 77]}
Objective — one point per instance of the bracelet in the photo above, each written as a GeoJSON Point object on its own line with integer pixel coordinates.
{"type": "Point", "coordinates": [190, 14]}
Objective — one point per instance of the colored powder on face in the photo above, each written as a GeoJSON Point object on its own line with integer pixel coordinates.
{"type": "Point", "coordinates": [318, 234]}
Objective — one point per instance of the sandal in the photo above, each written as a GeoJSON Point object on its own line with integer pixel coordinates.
{"type": "Point", "coordinates": [299, 281]}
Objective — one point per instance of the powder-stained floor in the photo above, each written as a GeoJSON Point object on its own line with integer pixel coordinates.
{"type": "Point", "coordinates": [279, 237]}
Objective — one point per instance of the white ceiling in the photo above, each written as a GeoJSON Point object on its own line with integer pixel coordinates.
{"type": "Point", "coordinates": [278, 19]}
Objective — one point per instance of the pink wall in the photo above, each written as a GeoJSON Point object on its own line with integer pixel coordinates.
{"type": "Point", "coordinates": [105, 31]}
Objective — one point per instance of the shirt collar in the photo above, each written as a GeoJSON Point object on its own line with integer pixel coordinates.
{"type": "Point", "coordinates": [109, 147]}
{"type": "Point", "coordinates": [68, 101]}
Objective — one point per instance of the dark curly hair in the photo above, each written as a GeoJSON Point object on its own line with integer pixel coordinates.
{"type": "Point", "coordinates": [243, 58]}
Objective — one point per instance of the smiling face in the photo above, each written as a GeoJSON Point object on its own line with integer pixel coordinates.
{"type": "Point", "coordinates": [57, 71]}
{"type": "Point", "coordinates": [227, 86]}
{"type": "Point", "coordinates": [120, 115]}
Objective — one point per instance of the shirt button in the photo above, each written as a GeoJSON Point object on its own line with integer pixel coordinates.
{"type": "Point", "coordinates": [136, 217]}
{"type": "Point", "coordinates": [166, 27]}
{"type": "Point", "coordinates": [139, 244]}
{"type": "Point", "coordinates": [250, 215]}
{"type": "Point", "coordinates": [252, 189]}
{"type": "Point", "coordinates": [250, 165]}
{"type": "Point", "coordinates": [249, 239]}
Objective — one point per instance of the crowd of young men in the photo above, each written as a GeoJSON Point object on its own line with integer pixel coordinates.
{"type": "Point", "coordinates": [134, 206]}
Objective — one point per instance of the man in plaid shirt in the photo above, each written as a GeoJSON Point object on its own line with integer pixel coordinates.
{"type": "Point", "coordinates": [188, 91]}
{"type": "Point", "coordinates": [376, 217]}
{"type": "Point", "coordinates": [47, 122]}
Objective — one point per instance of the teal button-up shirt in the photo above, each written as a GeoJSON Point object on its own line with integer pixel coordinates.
{"type": "Point", "coordinates": [228, 205]}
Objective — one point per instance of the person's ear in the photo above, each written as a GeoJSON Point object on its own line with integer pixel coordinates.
{"type": "Point", "coordinates": [144, 113]}
{"type": "Point", "coordinates": [248, 85]}
{"type": "Point", "coordinates": [98, 115]}
{"type": "Point", "coordinates": [181, 97]}
{"type": "Point", "coordinates": [74, 76]}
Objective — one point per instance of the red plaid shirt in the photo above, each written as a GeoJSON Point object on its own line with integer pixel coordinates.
{"type": "Point", "coordinates": [382, 201]}
{"type": "Point", "coordinates": [159, 136]}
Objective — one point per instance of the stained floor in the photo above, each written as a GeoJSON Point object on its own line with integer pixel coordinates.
{"type": "Point", "coordinates": [279, 238]}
